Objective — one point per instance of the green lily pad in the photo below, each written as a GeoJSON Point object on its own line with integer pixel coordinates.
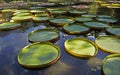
{"type": "Point", "coordinates": [116, 4]}
{"type": "Point", "coordinates": [111, 6]}
{"type": "Point", "coordinates": [42, 15]}
{"type": "Point", "coordinates": [114, 31]}
{"type": "Point", "coordinates": [75, 29]}
{"type": "Point", "coordinates": [37, 11]}
{"type": "Point", "coordinates": [104, 4]}
{"type": "Point", "coordinates": [104, 16]}
{"type": "Point", "coordinates": [111, 64]}
{"type": "Point", "coordinates": [109, 20]}
{"type": "Point", "coordinates": [83, 19]}
{"type": "Point", "coordinates": [38, 55]}
{"type": "Point", "coordinates": [55, 12]}
{"type": "Point", "coordinates": [61, 21]}
{"type": "Point", "coordinates": [21, 13]}
{"type": "Point", "coordinates": [43, 35]}
{"type": "Point", "coordinates": [96, 25]}
{"type": "Point", "coordinates": [52, 9]}
{"type": "Point", "coordinates": [9, 26]}
{"type": "Point", "coordinates": [109, 44]}
{"type": "Point", "coordinates": [8, 10]}
{"type": "Point", "coordinates": [80, 47]}
{"type": "Point", "coordinates": [89, 15]}
{"type": "Point", "coordinates": [22, 18]}
{"type": "Point", "coordinates": [77, 12]}
{"type": "Point", "coordinates": [40, 19]}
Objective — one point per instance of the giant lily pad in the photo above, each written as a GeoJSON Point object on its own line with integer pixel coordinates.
{"type": "Point", "coordinates": [96, 25]}
{"type": "Point", "coordinates": [109, 44]}
{"type": "Point", "coordinates": [22, 18]}
{"type": "Point", "coordinates": [75, 29]}
{"type": "Point", "coordinates": [38, 55]}
{"type": "Point", "coordinates": [77, 12]}
{"type": "Point", "coordinates": [43, 35]}
{"type": "Point", "coordinates": [109, 20]}
{"type": "Point", "coordinates": [40, 19]}
{"type": "Point", "coordinates": [80, 47]}
{"type": "Point", "coordinates": [83, 19]}
{"type": "Point", "coordinates": [114, 31]}
{"type": "Point", "coordinates": [61, 21]}
{"type": "Point", "coordinates": [111, 64]}
{"type": "Point", "coordinates": [9, 26]}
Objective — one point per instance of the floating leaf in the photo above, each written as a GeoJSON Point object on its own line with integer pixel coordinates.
{"type": "Point", "coordinates": [75, 29]}
{"type": "Point", "coordinates": [109, 44]}
{"type": "Point", "coordinates": [111, 64]}
{"type": "Point", "coordinates": [38, 55]}
{"type": "Point", "coordinates": [43, 35]}
{"type": "Point", "coordinates": [80, 47]}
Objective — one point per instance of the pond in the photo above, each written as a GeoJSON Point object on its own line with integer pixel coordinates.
{"type": "Point", "coordinates": [12, 41]}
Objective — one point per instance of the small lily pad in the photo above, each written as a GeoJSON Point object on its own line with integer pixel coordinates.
{"type": "Point", "coordinates": [111, 64]}
{"type": "Point", "coordinates": [75, 29]}
{"type": "Point", "coordinates": [77, 12]}
{"type": "Point", "coordinates": [114, 31]}
{"type": "Point", "coordinates": [89, 15]}
{"type": "Point", "coordinates": [40, 19]}
{"type": "Point", "coordinates": [38, 55]}
{"type": "Point", "coordinates": [59, 12]}
{"type": "Point", "coordinates": [80, 47]}
{"type": "Point", "coordinates": [109, 20]}
{"type": "Point", "coordinates": [61, 21]}
{"type": "Point", "coordinates": [8, 10]}
{"type": "Point", "coordinates": [109, 44]}
{"type": "Point", "coordinates": [83, 19]}
{"type": "Point", "coordinates": [22, 18]}
{"type": "Point", "coordinates": [42, 15]}
{"type": "Point", "coordinates": [21, 13]}
{"type": "Point", "coordinates": [96, 25]}
{"type": "Point", "coordinates": [37, 11]}
{"type": "Point", "coordinates": [43, 35]}
{"type": "Point", "coordinates": [104, 16]}
{"type": "Point", "coordinates": [112, 6]}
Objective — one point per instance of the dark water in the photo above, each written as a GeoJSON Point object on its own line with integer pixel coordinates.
{"type": "Point", "coordinates": [11, 42]}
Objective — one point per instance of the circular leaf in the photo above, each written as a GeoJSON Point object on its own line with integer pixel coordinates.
{"type": "Point", "coordinates": [80, 47]}
{"type": "Point", "coordinates": [83, 19]}
{"type": "Point", "coordinates": [111, 64]}
{"type": "Point", "coordinates": [96, 25]}
{"type": "Point", "coordinates": [38, 55]}
{"type": "Point", "coordinates": [9, 26]}
{"type": "Point", "coordinates": [43, 35]}
{"type": "Point", "coordinates": [40, 19]}
{"type": "Point", "coordinates": [109, 44]}
{"type": "Point", "coordinates": [61, 21]}
{"type": "Point", "coordinates": [75, 29]}
{"type": "Point", "coordinates": [109, 20]}
{"type": "Point", "coordinates": [114, 31]}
